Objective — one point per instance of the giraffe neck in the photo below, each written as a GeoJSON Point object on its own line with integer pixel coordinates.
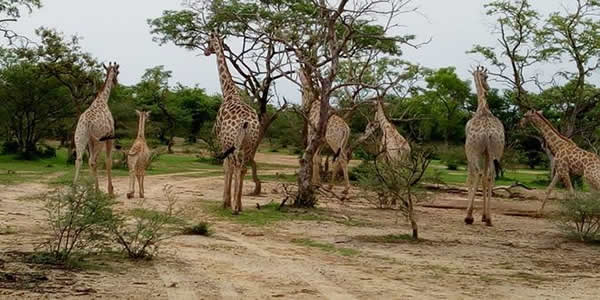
{"type": "Point", "coordinates": [482, 105]}
{"type": "Point", "coordinates": [104, 93]}
{"type": "Point", "coordinates": [380, 115]}
{"type": "Point", "coordinates": [554, 139]}
{"type": "Point", "coordinates": [141, 127]}
{"type": "Point", "coordinates": [227, 85]}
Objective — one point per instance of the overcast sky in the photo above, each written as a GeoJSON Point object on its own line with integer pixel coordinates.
{"type": "Point", "coordinates": [117, 30]}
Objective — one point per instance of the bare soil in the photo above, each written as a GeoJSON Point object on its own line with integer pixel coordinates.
{"type": "Point", "coordinates": [517, 258]}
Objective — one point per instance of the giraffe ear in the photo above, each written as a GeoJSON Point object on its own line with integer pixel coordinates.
{"type": "Point", "coordinates": [148, 114]}
{"type": "Point", "coordinates": [105, 67]}
{"type": "Point", "coordinates": [138, 112]}
{"type": "Point", "coordinates": [540, 112]}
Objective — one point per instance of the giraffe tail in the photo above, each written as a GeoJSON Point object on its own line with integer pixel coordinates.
{"type": "Point", "coordinates": [108, 137]}
{"type": "Point", "coordinates": [498, 168]}
{"type": "Point", "coordinates": [337, 154]}
{"type": "Point", "coordinates": [238, 142]}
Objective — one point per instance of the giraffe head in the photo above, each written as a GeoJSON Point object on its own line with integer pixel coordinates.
{"type": "Point", "coordinates": [528, 117]}
{"type": "Point", "coordinates": [143, 115]}
{"type": "Point", "coordinates": [112, 72]}
{"type": "Point", "coordinates": [212, 45]}
{"type": "Point", "coordinates": [371, 127]}
{"type": "Point", "coordinates": [480, 74]}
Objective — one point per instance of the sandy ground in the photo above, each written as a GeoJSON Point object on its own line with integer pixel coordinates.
{"type": "Point", "coordinates": [518, 258]}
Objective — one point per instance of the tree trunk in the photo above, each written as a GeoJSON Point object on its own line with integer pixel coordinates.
{"type": "Point", "coordinates": [306, 191]}
{"type": "Point", "coordinates": [412, 218]}
{"type": "Point", "coordinates": [257, 183]}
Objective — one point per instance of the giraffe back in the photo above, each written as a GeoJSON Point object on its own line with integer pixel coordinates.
{"type": "Point", "coordinates": [396, 147]}
{"type": "Point", "coordinates": [231, 117]}
{"type": "Point", "coordinates": [485, 134]}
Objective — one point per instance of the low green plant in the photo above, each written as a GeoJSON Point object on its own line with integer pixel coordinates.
{"type": "Point", "coordinates": [579, 216]}
{"type": "Point", "coordinates": [453, 157]}
{"type": "Point", "coordinates": [326, 247]}
{"type": "Point", "coordinates": [78, 217]}
{"type": "Point", "coordinates": [141, 231]}
{"type": "Point", "coordinates": [201, 228]}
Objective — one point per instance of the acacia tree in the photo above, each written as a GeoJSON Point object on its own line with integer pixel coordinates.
{"type": "Point", "coordinates": [574, 35]}
{"type": "Point", "coordinates": [10, 11]}
{"type": "Point", "coordinates": [259, 61]}
{"type": "Point", "coordinates": [516, 51]}
{"type": "Point", "coordinates": [445, 88]}
{"type": "Point", "coordinates": [78, 71]}
{"type": "Point", "coordinates": [320, 36]}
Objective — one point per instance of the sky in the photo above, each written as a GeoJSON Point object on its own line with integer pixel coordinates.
{"type": "Point", "coordinates": [117, 30]}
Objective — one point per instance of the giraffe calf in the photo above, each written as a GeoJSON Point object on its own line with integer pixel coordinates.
{"type": "Point", "coordinates": [138, 157]}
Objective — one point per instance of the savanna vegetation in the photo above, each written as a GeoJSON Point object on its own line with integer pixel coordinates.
{"type": "Point", "coordinates": [346, 55]}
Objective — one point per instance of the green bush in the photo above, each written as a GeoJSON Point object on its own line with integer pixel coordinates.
{"type": "Point", "coordinates": [78, 218]}
{"type": "Point", "coordinates": [201, 228]}
{"type": "Point", "coordinates": [579, 217]}
{"type": "Point", "coordinates": [10, 147]}
{"type": "Point", "coordinates": [360, 171]}
{"type": "Point", "coordinates": [453, 157]}
{"type": "Point", "coordinates": [141, 232]}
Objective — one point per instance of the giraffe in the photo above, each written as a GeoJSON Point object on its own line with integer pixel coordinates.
{"type": "Point", "coordinates": [336, 136]}
{"type": "Point", "coordinates": [484, 148]}
{"type": "Point", "coordinates": [138, 156]}
{"type": "Point", "coordinates": [95, 128]}
{"type": "Point", "coordinates": [568, 158]}
{"type": "Point", "coordinates": [392, 144]}
{"type": "Point", "coordinates": [237, 128]}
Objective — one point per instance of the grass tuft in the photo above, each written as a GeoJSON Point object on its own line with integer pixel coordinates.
{"type": "Point", "coordinates": [201, 228]}
{"type": "Point", "coordinates": [386, 239]}
{"type": "Point", "coordinates": [266, 215]}
{"type": "Point", "coordinates": [326, 247]}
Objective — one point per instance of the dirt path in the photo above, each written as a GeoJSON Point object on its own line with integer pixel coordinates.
{"type": "Point", "coordinates": [518, 258]}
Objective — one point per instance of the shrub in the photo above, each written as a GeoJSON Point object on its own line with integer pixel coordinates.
{"type": "Point", "coordinates": [78, 217]}
{"type": "Point", "coordinates": [201, 228]}
{"type": "Point", "coordinates": [10, 147]}
{"type": "Point", "coordinates": [141, 232]}
{"type": "Point", "coordinates": [580, 216]}
{"type": "Point", "coordinates": [395, 183]}
{"type": "Point", "coordinates": [453, 157]}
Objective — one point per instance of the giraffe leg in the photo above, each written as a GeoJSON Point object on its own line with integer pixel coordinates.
{"type": "Point", "coordinates": [237, 184]}
{"type": "Point", "coordinates": [80, 145]}
{"type": "Point", "coordinates": [93, 160]}
{"type": "Point", "coordinates": [140, 180]}
{"type": "Point", "coordinates": [473, 182]}
{"type": "Point", "coordinates": [316, 178]}
{"type": "Point", "coordinates": [131, 161]}
{"type": "Point", "coordinates": [344, 166]}
{"type": "Point", "coordinates": [108, 164]}
{"type": "Point", "coordinates": [487, 217]}
{"type": "Point", "coordinates": [227, 189]}
{"type": "Point", "coordinates": [241, 188]}
{"type": "Point", "coordinates": [548, 192]}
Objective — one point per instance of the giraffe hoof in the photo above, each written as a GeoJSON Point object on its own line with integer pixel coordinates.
{"type": "Point", "coordinates": [129, 195]}
{"type": "Point", "coordinates": [141, 195]}
{"type": "Point", "coordinates": [469, 220]}
{"type": "Point", "coordinates": [489, 223]}
{"type": "Point", "coordinates": [235, 212]}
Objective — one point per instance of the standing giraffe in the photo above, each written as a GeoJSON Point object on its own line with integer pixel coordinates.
{"type": "Point", "coordinates": [236, 128]}
{"type": "Point", "coordinates": [393, 144]}
{"type": "Point", "coordinates": [138, 156]}
{"type": "Point", "coordinates": [484, 148]}
{"type": "Point", "coordinates": [95, 129]}
{"type": "Point", "coordinates": [336, 136]}
{"type": "Point", "coordinates": [568, 158]}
